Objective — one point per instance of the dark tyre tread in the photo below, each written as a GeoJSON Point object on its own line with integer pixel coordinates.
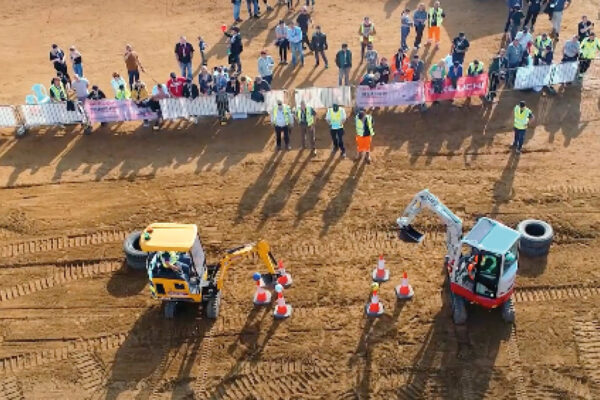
{"type": "Point", "coordinates": [136, 258]}
{"type": "Point", "coordinates": [544, 240]}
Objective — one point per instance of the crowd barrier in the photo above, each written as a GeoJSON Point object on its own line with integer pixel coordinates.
{"type": "Point", "coordinates": [116, 110]}
{"type": "Point", "coordinates": [51, 114]}
{"type": "Point", "coordinates": [9, 117]}
{"type": "Point", "coordinates": [317, 97]}
{"type": "Point", "coordinates": [543, 75]}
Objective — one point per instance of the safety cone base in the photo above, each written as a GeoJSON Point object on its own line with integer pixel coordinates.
{"type": "Point", "coordinates": [374, 313]}
{"type": "Point", "coordinates": [288, 280]}
{"type": "Point", "coordinates": [262, 300]}
{"type": "Point", "coordinates": [282, 312]}
{"type": "Point", "coordinates": [384, 278]}
{"type": "Point", "coordinates": [401, 296]}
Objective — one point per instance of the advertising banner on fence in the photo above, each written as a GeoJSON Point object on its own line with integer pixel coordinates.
{"type": "Point", "coordinates": [466, 86]}
{"type": "Point", "coordinates": [116, 110]}
{"type": "Point", "coordinates": [394, 94]}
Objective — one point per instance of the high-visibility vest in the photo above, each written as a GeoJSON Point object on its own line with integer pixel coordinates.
{"type": "Point", "coordinates": [439, 13]}
{"type": "Point", "coordinates": [335, 118]}
{"type": "Point", "coordinates": [589, 48]}
{"type": "Point", "coordinates": [521, 117]}
{"type": "Point", "coordinates": [58, 92]}
{"type": "Point", "coordinates": [286, 114]}
{"type": "Point", "coordinates": [367, 31]}
{"type": "Point", "coordinates": [310, 119]}
{"type": "Point", "coordinates": [122, 94]}
{"type": "Point", "coordinates": [475, 70]}
{"type": "Point", "coordinates": [360, 126]}
{"type": "Point", "coordinates": [540, 45]}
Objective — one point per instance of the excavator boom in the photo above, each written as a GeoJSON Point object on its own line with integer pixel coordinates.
{"type": "Point", "coordinates": [261, 248]}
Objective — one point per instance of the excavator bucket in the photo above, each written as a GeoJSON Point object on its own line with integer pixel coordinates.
{"type": "Point", "coordinates": [410, 234]}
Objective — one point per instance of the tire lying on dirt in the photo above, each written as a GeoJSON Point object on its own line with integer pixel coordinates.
{"type": "Point", "coordinates": [136, 258]}
{"type": "Point", "coordinates": [536, 237]}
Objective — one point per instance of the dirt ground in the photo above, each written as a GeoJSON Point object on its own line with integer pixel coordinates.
{"type": "Point", "coordinates": [75, 323]}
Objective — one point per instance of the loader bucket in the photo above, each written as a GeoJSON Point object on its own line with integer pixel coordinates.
{"type": "Point", "coordinates": [410, 234]}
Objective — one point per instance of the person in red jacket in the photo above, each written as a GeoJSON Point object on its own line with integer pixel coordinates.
{"type": "Point", "coordinates": [175, 85]}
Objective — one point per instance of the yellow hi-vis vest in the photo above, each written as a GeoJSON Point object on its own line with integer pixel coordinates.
{"type": "Point", "coordinates": [122, 95]}
{"type": "Point", "coordinates": [367, 32]}
{"type": "Point", "coordinates": [540, 45]}
{"type": "Point", "coordinates": [335, 118]}
{"type": "Point", "coordinates": [589, 48]}
{"type": "Point", "coordinates": [310, 119]}
{"type": "Point", "coordinates": [286, 114]}
{"type": "Point", "coordinates": [475, 70]}
{"type": "Point", "coordinates": [58, 92]}
{"type": "Point", "coordinates": [360, 126]}
{"type": "Point", "coordinates": [521, 117]}
{"type": "Point", "coordinates": [439, 13]}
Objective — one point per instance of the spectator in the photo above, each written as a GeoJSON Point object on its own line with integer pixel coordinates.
{"type": "Point", "coordinates": [265, 66]}
{"type": "Point", "coordinates": [405, 24]}
{"type": "Point", "coordinates": [175, 85]}
{"type": "Point", "coordinates": [366, 30]}
{"type": "Point", "coordinates": [259, 89]}
{"type": "Point", "coordinates": [122, 93]}
{"type": "Point", "coordinates": [372, 58]}
{"type": "Point", "coordinates": [65, 79]}
{"type": "Point", "coordinates": [514, 56]}
{"type": "Point", "coordinates": [513, 23]}
{"type": "Point", "coordinates": [57, 91]}
{"type": "Point", "coordinates": [281, 41]}
{"type": "Point", "coordinates": [418, 67]}
{"type": "Point", "coordinates": [96, 94]}
{"type": "Point", "coordinates": [475, 68]}
{"type": "Point", "coordinates": [523, 116]}
{"type": "Point", "coordinates": [541, 42]}
{"type": "Point", "coordinates": [437, 73]}
{"type": "Point", "coordinates": [532, 12]}
{"type": "Point", "coordinates": [460, 45]}
{"type": "Point", "coordinates": [400, 59]}
{"type": "Point", "coordinates": [556, 8]}
{"type": "Point", "coordinates": [335, 117]}
{"type": "Point", "coordinates": [282, 119]}
{"type": "Point", "coordinates": [455, 72]}
{"type": "Point", "coordinates": [236, 47]}
{"type": "Point", "coordinates": [253, 3]}
{"type": "Point", "coordinates": [154, 104]}
{"type": "Point", "coordinates": [546, 56]}
{"type": "Point", "coordinates": [364, 134]}
{"type": "Point", "coordinates": [245, 85]}
{"type": "Point", "coordinates": [525, 38]}
{"type": "Point", "coordinates": [305, 115]}
{"type": "Point", "coordinates": [435, 17]}
{"type": "Point", "coordinates": [221, 78]}
{"type": "Point", "coordinates": [57, 58]}
{"type": "Point", "coordinates": [237, 5]}
{"type": "Point", "coordinates": [139, 93]}
{"type": "Point", "coordinates": [571, 49]}
{"type": "Point", "coordinates": [133, 64]}
{"type": "Point", "coordinates": [116, 81]}
{"type": "Point", "coordinates": [233, 86]}
{"type": "Point", "coordinates": [184, 52]}
{"type": "Point", "coordinates": [222, 100]}
{"type": "Point", "coordinates": [202, 47]}
{"type": "Point", "coordinates": [80, 85]}
{"type": "Point", "coordinates": [75, 56]}
{"type": "Point", "coordinates": [584, 28]}
{"type": "Point", "coordinates": [295, 37]}
{"type": "Point", "coordinates": [419, 18]}
{"type": "Point", "coordinates": [369, 80]}
{"type": "Point", "coordinates": [319, 45]}
{"type": "Point", "coordinates": [383, 69]}
{"type": "Point", "coordinates": [205, 81]}
{"type": "Point", "coordinates": [303, 20]}
{"type": "Point", "coordinates": [343, 60]}
{"type": "Point", "coordinates": [312, 6]}
{"type": "Point", "coordinates": [497, 71]}
{"type": "Point", "coordinates": [589, 49]}
{"type": "Point", "coordinates": [190, 89]}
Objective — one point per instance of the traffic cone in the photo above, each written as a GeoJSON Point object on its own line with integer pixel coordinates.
{"type": "Point", "coordinates": [282, 310]}
{"type": "Point", "coordinates": [284, 279]}
{"type": "Point", "coordinates": [380, 274]}
{"type": "Point", "coordinates": [404, 291]}
{"type": "Point", "coordinates": [261, 296]}
{"type": "Point", "coordinates": [374, 308]}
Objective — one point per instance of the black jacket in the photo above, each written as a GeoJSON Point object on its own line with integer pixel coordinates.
{"type": "Point", "coordinates": [319, 41]}
{"type": "Point", "coordinates": [191, 90]}
{"type": "Point", "coordinates": [236, 46]}
{"type": "Point", "coordinates": [99, 96]}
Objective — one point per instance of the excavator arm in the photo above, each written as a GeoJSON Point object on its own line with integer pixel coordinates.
{"type": "Point", "coordinates": [424, 199]}
{"type": "Point", "coordinates": [261, 248]}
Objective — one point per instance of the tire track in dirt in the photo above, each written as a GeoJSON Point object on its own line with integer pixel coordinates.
{"type": "Point", "coordinates": [92, 374]}
{"type": "Point", "coordinates": [587, 338]}
{"type": "Point", "coordinates": [10, 389]}
{"type": "Point", "coordinates": [552, 383]}
{"type": "Point", "coordinates": [516, 365]}
{"type": "Point", "coordinates": [525, 294]}
{"type": "Point", "coordinates": [68, 273]}
{"type": "Point", "coordinates": [199, 385]}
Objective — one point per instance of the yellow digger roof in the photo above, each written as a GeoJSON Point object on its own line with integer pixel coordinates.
{"type": "Point", "coordinates": [168, 237]}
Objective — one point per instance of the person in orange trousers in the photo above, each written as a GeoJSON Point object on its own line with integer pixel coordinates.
{"type": "Point", "coordinates": [364, 134]}
{"type": "Point", "coordinates": [435, 16]}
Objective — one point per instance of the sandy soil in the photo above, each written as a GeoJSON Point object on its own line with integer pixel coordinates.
{"type": "Point", "coordinates": [76, 323]}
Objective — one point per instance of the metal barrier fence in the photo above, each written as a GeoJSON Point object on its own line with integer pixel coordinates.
{"type": "Point", "coordinates": [543, 75]}
{"type": "Point", "coordinates": [51, 114]}
{"type": "Point", "coordinates": [9, 118]}
{"type": "Point", "coordinates": [317, 97]}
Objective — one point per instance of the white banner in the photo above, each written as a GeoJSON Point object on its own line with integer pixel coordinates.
{"type": "Point", "coordinates": [317, 97]}
{"type": "Point", "coordinates": [394, 94]}
{"type": "Point", "coordinates": [532, 76]}
{"type": "Point", "coordinates": [565, 72]}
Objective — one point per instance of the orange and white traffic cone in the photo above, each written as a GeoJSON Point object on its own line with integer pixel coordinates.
{"type": "Point", "coordinates": [261, 296]}
{"type": "Point", "coordinates": [404, 291]}
{"type": "Point", "coordinates": [282, 310]}
{"type": "Point", "coordinates": [374, 307]}
{"type": "Point", "coordinates": [285, 279]}
{"type": "Point", "coordinates": [380, 274]}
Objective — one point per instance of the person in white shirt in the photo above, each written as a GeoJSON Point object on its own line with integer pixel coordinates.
{"type": "Point", "coordinates": [80, 85]}
{"type": "Point", "coordinates": [265, 66]}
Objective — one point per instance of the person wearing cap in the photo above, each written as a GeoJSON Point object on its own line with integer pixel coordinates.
{"type": "Point", "coordinates": [523, 117]}
{"type": "Point", "coordinates": [319, 44]}
{"type": "Point", "coordinates": [366, 30]}
{"type": "Point", "coordinates": [57, 58]}
{"type": "Point", "coordinates": [236, 47]}
{"type": "Point", "coordinates": [364, 135]}
{"type": "Point", "coordinates": [589, 49]}
{"type": "Point", "coordinates": [283, 120]}
{"type": "Point", "coordinates": [335, 117]}
{"type": "Point", "coordinates": [133, 64]}
{"type": "Point", "coordinates": [435, 17]}
{"type": "Point", "coordinates": [184, 53]}
{"type": "Point", "coordinates": [460, 45]}
{"type": "Point", "coordinates": [265, 66]}
{"type": "Point", "coordinates": [475, 68]}
{"type": "Point", "coordinates": [175, 85]}
{"type": "Point", "coordinates": [343, 60]}
{"type": "Point", "coordinates": [305, 115]}
{"type": "Point", "coordinates": [116, 81]}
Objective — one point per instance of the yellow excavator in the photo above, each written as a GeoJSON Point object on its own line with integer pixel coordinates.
{"type": "Point", "coordinates": [178, 271]}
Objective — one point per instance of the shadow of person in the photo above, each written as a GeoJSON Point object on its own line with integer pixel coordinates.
{"type": "Point", "coordinates": [126, 282]}
{"type": "Point", "coordinates": [503, 190]}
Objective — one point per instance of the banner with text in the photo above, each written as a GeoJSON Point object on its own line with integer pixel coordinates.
{"type": "Point", "coordinates": [393, 94]}
{"type": "Point", "coordinates": [466, 86]}
{"type": "Point", "coordinates": [117, 110]}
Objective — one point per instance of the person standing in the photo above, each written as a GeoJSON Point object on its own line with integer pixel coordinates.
{"type": "Point", "coordinates": [202, 46]}
{"type": "Point", "coordinates": [372, 58]}
{"type": "Point", "coordinates": [57, 58]}
{"type": "Point", "coordinates": [236, 47]}
{"type": "Point", "coordinates": [364, 135]}
{"type": "Point", "coordinates": [237, 6]}
{"type": "Point", "coordinates": [295, 37]}
{"type": "Point", "coordinates": [523, 117]}
{"type": "Point", "coordinates": [250, 4]}
{"type": "Point", "coordinates": [343, 60]}
{"type": "Point", "coordinates": [319, 45]}
{"type": "Point", "coordinates": [525, 38]}
{"type": "Point", "coordinates": [383, 69]}
{"type": "Point", "coordinates": [532, 12]}
{"type": "Point", "coordinates": [571, 49]}
{"type": "Point", "coordinates": [80, 85]}
{"type": "Point", "coordinates": [435, 17]}
{"type": "Point", "coordinates": [496, 72]}
{"type": "Point", "coordinates": [513, 22]}
{"type": "Point", "coordinates": [222, 100]}
{"type": "Point", "coordinates": [282, 119]}
{"type": "Point", "coordinates": [405, 24]}
{"type": "Point", "coordinates": [116, 81]}
{"type": "Point", "coordinates": [419, 19]}
{"type": "Point", "coordinates": [75, 57]}
{"type": "Point", "coordinates": [460, 45]}
{"type": "Point", "coordinates": [303, 20]}
{"type": "Point", "coordinates": [589, 48]}
{"type": "Point", "coordinates": [475, 68]}
{"type": "Point", "coordinates": [205, 81]}
{"type": "Point", "coordinates": [584, 28]}
{"type": "Point", "coordinates": [336, 116]}
{"type": "Point", "coordinates": [122, 93]}
{"type": "Point", "coordinates": [265, 66]}
{"type": "Point", "coordinates": [557, 7]}
{"type": "Point", "coordinates": [541, 43]}
{"type": "Point", "coordinates": [281, 41]}
{"type": "Point", "coordinates": [514, 56]}
{"type": "Point", "coordinates": [57, 91]}
{"type": "Point", "coordinates": [175, 85]}
{"type": "Point", "coordinates": [184, 52]}
{"type": "Point", "coordinates": [366, 30]}
{"type": "Point", "coordinates": [305, 115]}
{"type": "Point", "coordinates": [455, 72]}
{"type": "Point", "coordinates": [438, 73]}
{"type": "Point", "coordinates": [133, 64]}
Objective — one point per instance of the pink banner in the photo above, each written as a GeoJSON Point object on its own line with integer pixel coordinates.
{"type": "Point", "coordinates": [466, 87]}
{"type": "Point", "coordinates": [393, 94]}
{"type": "Point", "coordinates": [116, 110]}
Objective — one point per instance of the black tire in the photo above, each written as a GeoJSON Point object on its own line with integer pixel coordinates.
{"type": "Point", "coordinates": [535, 233]}
{"type": "Point", "coordinates": [136, 258]}
{"type": "Point", "coordinates": [459, 310]}
{"type": "Point", "coordinates": [508, 311]}
{"type": "Point", "coordinates": [169, 309]}
{"type": "Point", "coordinates": [212, 307]}
{"type": "Point", "coordinates": [534, 252]}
